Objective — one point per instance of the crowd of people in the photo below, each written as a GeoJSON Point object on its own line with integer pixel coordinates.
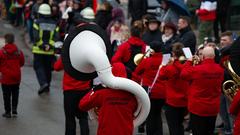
{"type": "Point", "coordinates": [184, 86]}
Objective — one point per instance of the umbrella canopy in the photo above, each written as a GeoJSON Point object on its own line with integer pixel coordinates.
{"type": "Point", "coordinates": [179, 6]}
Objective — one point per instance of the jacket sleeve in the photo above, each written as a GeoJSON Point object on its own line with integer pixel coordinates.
{"type": "Point", "coordinates": [138, 72]}
{"type": "Point", "coordinates": [167, 72]}
{"type": "Point", "coordinates": [22, 59]}
{"type": "Point", "coordinates": [56, 34]}
{"type": "Point", "coordinates": [235, 105]}
{"type": "Point", "coordinates": [118, 56]}
{"type": "Point", "coordinates": [35, 32]}
{"type": "Point", "coordinates": [58, 65]}
{"type": "Point", "coordinates": [89, 101]}
{"type": "Point", "coordinates": [188, 71]}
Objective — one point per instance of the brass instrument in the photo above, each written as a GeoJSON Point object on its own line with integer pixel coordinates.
{"type": "Point", "coordinates": [231, 87]}
{"type": "Point", "coordinates": [196, 60]}
{"type": "Point", "coordinates": [182, 59]}
{"type": "Point", "coordinates": [140, 56]}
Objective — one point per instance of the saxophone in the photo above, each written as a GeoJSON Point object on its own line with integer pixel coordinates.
{"type": "Point", "coordinates": [231, 87]}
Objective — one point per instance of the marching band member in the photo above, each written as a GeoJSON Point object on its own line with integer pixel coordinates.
{"type": "Point", "coordinates": [126, 51]}
{"type": "Point", "coordinates": [176, 92]}
{"type": "Point", "coordinates": [73, 91]}
{"type": "Point", "coordinates": [115, 107]}
{"type": "Point", "coordinates": [148, 70]}
{"type": "Point", "coordinates": [204, 92]}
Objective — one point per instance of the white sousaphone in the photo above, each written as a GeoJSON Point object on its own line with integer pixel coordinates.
{"type": "Point", "coordinates": [85, 55]}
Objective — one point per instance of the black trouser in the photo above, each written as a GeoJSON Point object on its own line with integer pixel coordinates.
{"type": "Point", "coordinates": [42, 65]}
{"type": "Point", "coordinates": [202, 125]}
{"type": "Point", "coordinates": [19, 12]}
{"type": "Point", "coordinates": [154, 120]}
{"type": "Point", "coordinates": [222, 20]}
{"type": "Point", "coordinates": [7, 4]}
{"type": "Point", "coordinates": [175, 117]}
{"type": "Point", "coordinates": [10, 97]}
{"type": "Point", "coordinates": [71, 101]}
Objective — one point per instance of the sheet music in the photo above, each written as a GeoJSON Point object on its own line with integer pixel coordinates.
{"type": "Point", "coordinates": [187, 52]}
{"type": "Point", "coordinates": [166, 58]}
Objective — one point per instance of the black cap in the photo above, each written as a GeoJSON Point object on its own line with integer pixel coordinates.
{"type": "Point", "coordinates": [209, 40]}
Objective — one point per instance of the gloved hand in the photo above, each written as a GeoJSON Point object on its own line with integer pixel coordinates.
{"type": "Point", "coordinates": [46, 47]}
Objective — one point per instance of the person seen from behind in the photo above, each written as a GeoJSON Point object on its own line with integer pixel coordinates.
{"type": "Point", "coordinates": [203, 100]}
{"type": "Point", "coordinates": [11, 61]}
{"type": "Point", "coordinates": [115, 107]}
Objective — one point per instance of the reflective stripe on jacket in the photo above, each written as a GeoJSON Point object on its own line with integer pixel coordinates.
{"type": "Point", "coordinates": [38, 45]}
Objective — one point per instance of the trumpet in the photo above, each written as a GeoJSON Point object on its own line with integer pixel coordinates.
{"type": "Point", "coordinates": [231, 87]}
{"type": "Point", "coordinates": [140, 56]}
{"type": "Point", "coordinates": [196, 60]}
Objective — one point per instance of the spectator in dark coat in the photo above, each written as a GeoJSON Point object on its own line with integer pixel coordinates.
{"type": "Point", "coordinates": [105, 12]}
{"type": "Point", "coordinates": [153, 32]}
{"type": "Point", "coordinates": [186, 35]}
{"type": "Point", "coordinates": [226, 41]}
{"type": "Point", "coordinates": [137, 8]}
{"type": "Point", "coordinates": [169, 37]}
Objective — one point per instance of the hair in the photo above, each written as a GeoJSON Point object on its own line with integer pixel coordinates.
{"type": "Point", "coordinates": [137, 28]}
{"type": "Point", "coordinates": [171, 26]}
{"type": "Point", "coordinates": [156, 45]}
{"type": "Point", "coordinates": [177, 49]}
{"type": "Point", "coordinates": [185, 18]}
{"type": "Point", "coordinates": [107, 6]}
{"type": "Point", "coordinates": [9, 38]}
{"type": "Point", "coordinates": [212, 44]}
{"type": "Point", "coordinates": [146, 16]}
{"type": "Point", "coordinates": [200, 47]}
{"type": "Point", "coordinates": [227, 33]}
{"type": "Point", "coordinates": [208, 52]}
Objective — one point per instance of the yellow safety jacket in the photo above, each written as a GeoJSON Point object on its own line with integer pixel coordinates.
{"type": "Point", "coordinates": [38, 45]}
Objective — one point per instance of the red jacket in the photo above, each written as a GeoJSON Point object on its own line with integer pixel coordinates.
{"type": "Point", "coordinates": [205, 87]}
{"type": "Point", "coordinates": [116, 107]}
{"type": "Point", "coordinates": [176, 88]}
{"type": "Point", "coordinates": [235, 110]}
{"type": "Point", "coordinates": [68, 82]}
{"type": "Point", "coordinates": [11, 61]}
{"type": "Point", "coordinates": [207, 11]}
{"type": "Point", "coordinates": [146, 71]}
{"type": "Point", "coordinates": [123, 53]}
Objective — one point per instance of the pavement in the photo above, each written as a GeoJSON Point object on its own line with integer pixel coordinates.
{"type": "Point", "coordinates": [38, 115]}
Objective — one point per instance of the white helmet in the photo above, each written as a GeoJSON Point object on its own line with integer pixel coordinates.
{"type": "Point", "coordinates": [87, 13]}
{"type": "Point", "coordinates": [44, 9]}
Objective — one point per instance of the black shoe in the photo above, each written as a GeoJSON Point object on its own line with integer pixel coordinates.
{"type": "Point", "coordinates": [43, 88]}
{"type": "Point", "coordinates": [14, 114]}
{"type": "Point", "coordinates": [7, 115]}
